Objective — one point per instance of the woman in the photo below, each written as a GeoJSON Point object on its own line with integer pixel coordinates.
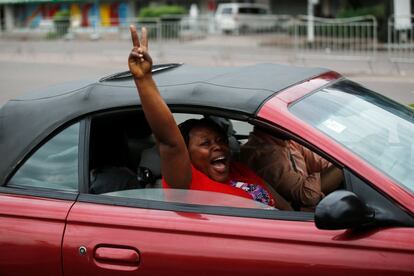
{"type": "Point", "coordinates": [201, 159]}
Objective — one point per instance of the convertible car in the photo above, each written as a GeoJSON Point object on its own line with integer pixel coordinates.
{"type": "Point", "coordinates": [80, 176]}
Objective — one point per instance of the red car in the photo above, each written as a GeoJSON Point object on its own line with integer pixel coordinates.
{"type": "Point", "coordinates": [80, 178]}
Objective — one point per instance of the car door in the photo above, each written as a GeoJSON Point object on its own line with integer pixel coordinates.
{"type": "Point", "coordinates": [34, 204]}
{"type": "Point", "coordinates": [106, 236]}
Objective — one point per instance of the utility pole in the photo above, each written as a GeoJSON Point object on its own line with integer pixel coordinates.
{"type": "Point", "coordinates": [310, 25]}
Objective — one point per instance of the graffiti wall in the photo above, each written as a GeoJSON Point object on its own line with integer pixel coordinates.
{"type": "Point", "coordinates": [81, 14]}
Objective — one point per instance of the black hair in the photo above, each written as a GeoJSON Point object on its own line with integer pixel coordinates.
{"type": "Point", "coordinates": [186, 126]}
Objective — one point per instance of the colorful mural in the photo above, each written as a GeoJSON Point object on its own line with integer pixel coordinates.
{"type": "Point", "coordinates": [123, 12]}
{"type": "Point", "coordinates": [82, 14]}
{"type": "Point", "coordinates": [34, 15]}
{"type": "Point", "coordinates": [104, 12]}
{"type": "Point", "coordinates": [76, 15]}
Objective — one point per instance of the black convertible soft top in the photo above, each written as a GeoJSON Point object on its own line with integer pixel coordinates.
{"type": "Point", "coordinates": [29, 119]}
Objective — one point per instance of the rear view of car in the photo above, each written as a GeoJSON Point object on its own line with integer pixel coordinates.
{"type": "Point", "coordinates": [242, 17]}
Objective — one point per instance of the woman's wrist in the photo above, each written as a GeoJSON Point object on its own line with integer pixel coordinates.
{"type": "Point", "coordinates": [145, 78]}
{"type": "Point", "coordinates": [144, 82]}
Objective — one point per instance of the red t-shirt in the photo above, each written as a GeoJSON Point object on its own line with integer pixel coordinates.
{"type": "Point", "coordinates": [243, 182]}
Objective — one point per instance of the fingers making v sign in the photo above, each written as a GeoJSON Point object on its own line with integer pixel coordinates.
{"type": "Point", "coordinates": [139, 61]}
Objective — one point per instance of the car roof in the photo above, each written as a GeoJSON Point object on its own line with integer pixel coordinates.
{"type": "Point", "coordinates": [27, 120]}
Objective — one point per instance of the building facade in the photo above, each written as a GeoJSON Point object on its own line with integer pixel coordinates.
{"type": "Point", "coordinates": [33, 13]}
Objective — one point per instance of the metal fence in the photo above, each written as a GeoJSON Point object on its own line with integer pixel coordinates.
{"type": "Point", "coordinates": [348, 38]}
{"type": "Point", "coordinates": [340, 38]}
{"type": "Point", "coordinates": [182, 28]}
{"type": "Point", "coordinates": [164, 28]}
{"type": "Point", "coordinates": [401, 39]}
{"type": "Point", "coordinates": [176, 28]}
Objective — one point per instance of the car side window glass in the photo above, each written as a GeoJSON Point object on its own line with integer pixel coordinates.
{"type": "Point", "coordinates": [125, 162]}
{"type": "Point", "coordinates": [133, 168]}
{"type": "Point", "coordinates": [227, 11]}
{"type": "Point", "coordinates": [54, 165]}
{"type": "Point", "coordinates": [262, 11]}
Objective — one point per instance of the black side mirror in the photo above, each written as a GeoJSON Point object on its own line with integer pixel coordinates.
{"type": "Point", "coordinates": [342, 210]}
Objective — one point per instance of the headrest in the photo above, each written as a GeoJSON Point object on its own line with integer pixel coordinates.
{"type": "Point", "coordinates": [150, 158]}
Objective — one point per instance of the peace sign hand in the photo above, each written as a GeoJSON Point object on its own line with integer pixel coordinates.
{"type": "Point", "coordinates": [139, 61]}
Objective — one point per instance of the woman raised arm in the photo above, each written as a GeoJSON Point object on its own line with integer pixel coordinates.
{"type": "Point", "coordinates": [197, 157]}
{"type": "Point", "coordinates": [175, 160]}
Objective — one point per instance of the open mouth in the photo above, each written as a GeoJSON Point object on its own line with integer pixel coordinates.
{"type": "Point", "coordinates": [219, 163]}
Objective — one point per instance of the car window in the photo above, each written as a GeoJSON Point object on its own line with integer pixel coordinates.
{"type": "Point", "coordinates": [263, 11]}
{"type": "Point", "coordinates": [373, 127]}
{"type": "Point", "coordinates": [54, 165]}
{"type": "Point", "coordinates": [251, 10]}
{"type": "Point", "coordinates": [181, 117]}
{"type": "Point", "coordinates": [226, 11]}
{"type": "Point", "coordinates": [248, 10]}
{"type": "Point", "coordinates": [241, 128]}
{"type": "Point", "coordinates": [130, 166]}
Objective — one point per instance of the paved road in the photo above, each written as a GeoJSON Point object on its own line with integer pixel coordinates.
{"type": "Point", "coordinates": [31, 65]}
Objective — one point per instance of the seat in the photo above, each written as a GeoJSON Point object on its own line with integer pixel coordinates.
{"type": "Point", "coordinates": [149, 169]}
{"type": "Point", "coordinates": [110, 179]}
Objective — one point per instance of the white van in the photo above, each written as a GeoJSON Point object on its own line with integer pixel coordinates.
{"type": "Point", "coordinates": [242, 17]}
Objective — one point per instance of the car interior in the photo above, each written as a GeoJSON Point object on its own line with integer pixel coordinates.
{"type": "Point", "coordinates": [124, 155]}
{"type": "Point", "coordinates": [117, 144]}
{"type": "Point", "coordinates": [122, 147]}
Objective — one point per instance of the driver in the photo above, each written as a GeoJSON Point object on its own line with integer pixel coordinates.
{"type": "Point", "coordinates": [196, 155]}
{"type": "Point", "coordinates": [295, 172]}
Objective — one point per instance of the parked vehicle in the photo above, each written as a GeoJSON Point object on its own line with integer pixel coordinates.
{"type": "Point", "coordinates": [243, 17]}
{"type": "Point", "coordinates": [58, 143]}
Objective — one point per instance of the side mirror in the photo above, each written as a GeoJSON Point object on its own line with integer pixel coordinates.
{"type": "Point", "coordinates": [342, 210]}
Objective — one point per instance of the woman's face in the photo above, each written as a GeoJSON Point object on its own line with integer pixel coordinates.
{"type": "Point", "coordinates": [209, 153]}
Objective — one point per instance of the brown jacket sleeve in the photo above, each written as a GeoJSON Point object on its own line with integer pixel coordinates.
{"type": "Point", "coordinates": [301, 189]}
{"type": "Point", "coordinates": [314, 163]}
{"type": "Point", "coordinates": [273, 163]}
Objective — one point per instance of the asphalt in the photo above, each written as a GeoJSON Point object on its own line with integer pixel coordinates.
{"type": "Point", "coordinates": [29, 64]}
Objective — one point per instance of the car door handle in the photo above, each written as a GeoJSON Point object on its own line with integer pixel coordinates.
{"type": "Point", "coordinates": [126, 256]}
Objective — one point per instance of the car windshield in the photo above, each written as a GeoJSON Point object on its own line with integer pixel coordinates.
{"type": "Point", "coordinates": [372, 126]}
